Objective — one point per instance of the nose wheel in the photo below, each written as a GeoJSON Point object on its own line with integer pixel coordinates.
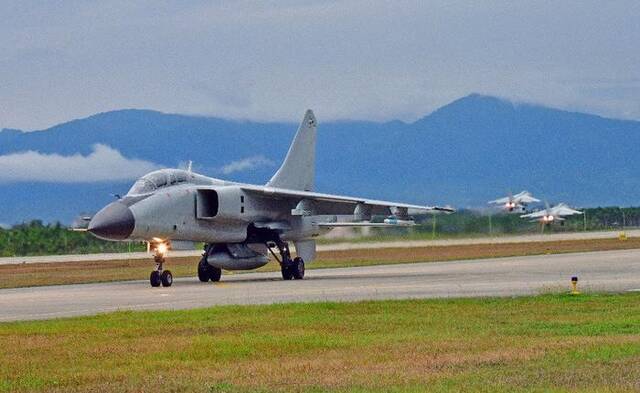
{"type": "Point", "coordinates": [160, 276]}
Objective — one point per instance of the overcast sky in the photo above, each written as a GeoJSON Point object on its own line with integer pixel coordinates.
{"type": "Point", "coordinates": [270, 60]}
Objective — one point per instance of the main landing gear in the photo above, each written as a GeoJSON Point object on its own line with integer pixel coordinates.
{"type": "Point", "coordinates": [291, 268]}
{"type": "Point", "coordinates": [160, 276]}
{"type": "Point", "coordinates": [207, 272]}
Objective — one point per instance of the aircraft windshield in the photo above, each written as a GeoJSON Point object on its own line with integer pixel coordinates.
{"type": "Point", "coordinates": [155, 180]}
{"type": "Point", "coordinates": [142, 186]}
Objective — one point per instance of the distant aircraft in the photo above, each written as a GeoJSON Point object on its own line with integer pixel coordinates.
{"type": "Point", "coordinates": [552, 214]}
{"type": "Point", "coordinates": [81, 223]}
{"type": "Point", "coordinates": [241, 223]}
{"type": "Point", "coordinates": [516, 202]}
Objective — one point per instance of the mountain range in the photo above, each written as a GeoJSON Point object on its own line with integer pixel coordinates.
{"type": "Point", "coordinates": [465, 153]}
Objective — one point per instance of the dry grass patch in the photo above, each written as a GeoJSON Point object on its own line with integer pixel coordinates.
{"type": "Point", "coordinates": [471, 251]}
{"type": "Point", "coordinates": [36, 274]}
{"type": "Point", "coordinates": [12, 276]}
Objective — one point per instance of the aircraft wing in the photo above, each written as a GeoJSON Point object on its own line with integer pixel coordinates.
{"type": "Point", "coordinates": [337, 204]}
{"type": "Point", "coordinates": [564, 210]}
{"type": "Point", "coordinates": [538, 214]}
{"type": "Point", "coordinates": [500, 200]}
{"type": "Point", "coordinates": [527, 199]}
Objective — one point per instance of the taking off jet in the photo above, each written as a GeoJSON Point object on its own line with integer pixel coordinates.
{"type": "Point", "coordinates": [516, 202]}
{"type": "Point", "coordinates": [552, 214]}
{"type": "Point", "coordinates": [241, 223]}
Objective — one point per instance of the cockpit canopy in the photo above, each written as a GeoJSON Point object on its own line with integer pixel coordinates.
{"type": "Point", "coordinates": [153, 181]}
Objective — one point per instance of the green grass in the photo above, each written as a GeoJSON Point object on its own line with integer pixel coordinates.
{"type": "Point", "coordinates": [549, 343]}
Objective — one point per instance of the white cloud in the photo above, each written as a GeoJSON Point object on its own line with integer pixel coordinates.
{"type": "Point", "coordinates": [246, 164]}
{"type": "Point", "coordinates": [103, 164]}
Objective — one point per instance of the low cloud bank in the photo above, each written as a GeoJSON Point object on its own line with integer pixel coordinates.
{"type": "Point", "coordinates": [103, 164]}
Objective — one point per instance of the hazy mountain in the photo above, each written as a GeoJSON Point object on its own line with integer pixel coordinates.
{"type": "Point", "coordinates": [465, 153]}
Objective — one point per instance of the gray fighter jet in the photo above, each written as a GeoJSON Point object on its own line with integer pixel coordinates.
{"type": "Point", "coordinates": [552, 214]}
{"type": "Point", "coordinates": [241, 223]}
{"type": "Point", "coordinates": [517, 202]}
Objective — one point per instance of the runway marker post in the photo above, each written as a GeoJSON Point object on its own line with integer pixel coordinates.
{"type": "Point", "coordinates": [574, 285]}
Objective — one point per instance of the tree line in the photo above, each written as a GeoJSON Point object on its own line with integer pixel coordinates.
{"type": "Point", "coordinates": [476, 222]}
{"type": "Point", "coordinates": [37, 238]}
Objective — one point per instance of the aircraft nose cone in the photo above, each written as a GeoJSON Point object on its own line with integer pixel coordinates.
{"type": "Point", "coordinates": [114, 222]}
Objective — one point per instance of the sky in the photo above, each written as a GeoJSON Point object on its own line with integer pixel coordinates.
{"type": "Point", "coordinates": [352, 59]}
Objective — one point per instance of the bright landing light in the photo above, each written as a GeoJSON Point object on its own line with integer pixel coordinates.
{"type": "Point", "coordinates": [162, 248]}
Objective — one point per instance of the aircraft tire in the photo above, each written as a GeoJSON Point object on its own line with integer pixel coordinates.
{"type": "Point", "coordinates": [154, 278]}
{"type": "Point", "coordinates": [297, 268]}
{"type": "Point", "coordinates": [215, 273]}
{"type": "Point", "coordinates": [287, 274]}
{"type": "Point", "coordinates": [166, 278]}
{"type": "Point", "coordinates": [203, 270]}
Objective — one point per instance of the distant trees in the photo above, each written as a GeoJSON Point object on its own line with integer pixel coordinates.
{"type": "Point", "coordinates": [469, 222]}
{"type": "Point", "coordinates": [612, 217]}
{"type": "Point", "coordinates": [473, 222]}
{"type": "Point", "coordinates": [36, 238]}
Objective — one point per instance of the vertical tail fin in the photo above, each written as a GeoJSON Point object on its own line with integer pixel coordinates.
{"type": "Point", "coordinates": [299, 167]}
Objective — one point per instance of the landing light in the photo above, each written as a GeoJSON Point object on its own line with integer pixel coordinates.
{"type": "Point", "coordinates": [162, 248]}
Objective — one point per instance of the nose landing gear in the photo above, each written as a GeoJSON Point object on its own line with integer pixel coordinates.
{"type": "Point", "coordinates": [159, 276]}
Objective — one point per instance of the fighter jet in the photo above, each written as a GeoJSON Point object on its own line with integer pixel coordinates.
{"type": "Point", "coordinates": [552, 214]}
{"type": "Point", "coordinates": [517, 202]}
{"type": "Point", "coordinates": [241, 224]}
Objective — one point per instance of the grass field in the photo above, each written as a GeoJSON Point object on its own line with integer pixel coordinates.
{"type": "Point", "coordinates": [550, 343]}
{"type": "Point", "coordinates": [12, 276]}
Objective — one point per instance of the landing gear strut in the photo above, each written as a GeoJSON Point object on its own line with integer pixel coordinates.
{"type": "Point", "coordinates": [291, 268]}
{"type": "Point", "coordinates": [207, 272]}
{"type": "Point", "coordinates": [160, 276]}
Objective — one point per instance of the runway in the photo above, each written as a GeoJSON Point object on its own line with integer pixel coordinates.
{"type": "Point", "coordinates": [597, 271]}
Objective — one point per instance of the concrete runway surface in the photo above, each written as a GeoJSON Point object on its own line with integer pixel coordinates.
{"type": "Point", "coordinates": [597, 271]}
